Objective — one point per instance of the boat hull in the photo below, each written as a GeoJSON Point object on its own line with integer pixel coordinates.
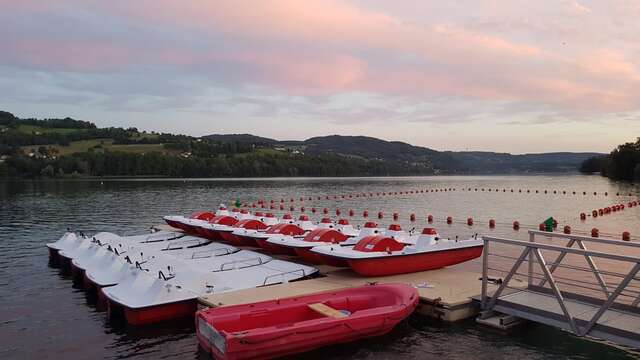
{"type": "Point", "coordinates": [229, 237]}
{"type": "Point", "coordinates": [54, 257]}
{"type": "Point", "coordinates": [173, 224]}
{"type": "Point", "coordinates": [307, 255]}
{"type": "Point", "coordinates": [248, 241]}
{"type": "Point", "coordinates": [275, 248]}
{"type": "Point", "coordinates": [154, 314]}
{"type": "Point", "coordinates": [409, 263]}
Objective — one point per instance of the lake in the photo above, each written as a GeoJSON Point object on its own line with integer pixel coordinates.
{"type": "Point", "coordinates": [44, 316]}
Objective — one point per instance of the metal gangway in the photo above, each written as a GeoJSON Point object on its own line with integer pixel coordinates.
{"type": "Point", "coordinates": [554, 279]}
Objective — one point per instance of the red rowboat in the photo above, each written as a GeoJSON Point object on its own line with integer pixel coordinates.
{"type": "Point", "coordinates": [288, 326]}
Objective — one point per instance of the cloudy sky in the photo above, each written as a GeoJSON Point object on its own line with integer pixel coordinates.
{"type": "Point", "coordinates": [516, 76]}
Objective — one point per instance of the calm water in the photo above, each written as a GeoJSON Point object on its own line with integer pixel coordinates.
{"type": "Point", "coordinates": [43, 316]}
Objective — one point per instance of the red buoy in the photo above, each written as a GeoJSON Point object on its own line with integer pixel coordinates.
{"type": "Point", "coordinates": [313, 210]}
{"type": "Point", "coordinates": [583, 216]}
{"type": "Point", "coordinates": [281, 207]}
{"type": "Point", "coordinates": [301, 208]}
{"type": "Point", "coordinates": [292, 208]}
{"type": "Point", "coordinates": [626, 236]}
{"type": "Point", "coordinates": [516, 225]}
{"type": "Point", "coordinates": [338, 212]}
{"type": "Point", "coordinates": [595, 233]}
{"type": "Point", "coordinates": [395, 216]}
{"type": "Point", "coordinates": [470, 221]}
{"type": "Point", "coordinates": [380, 214]}
{"type": "Point", "coordinates": [449, 220]}
{"type": "Point", "coordinates": [594, 213]}
{"type": "Point", "coordinates": [351, 212]}
{"type": "Point", "coordinates": [365, 214]}
{"type": "Point", "coordinates": [567, 229]}
{"type": "Point", "coordinates": [542, 227]}
{"type": "Point", "coordinates": [492, 224]}
{"type": "Point", "coordinates": [430, 218]}
{"type": "Point", "coordinates": [412, 217]}
{"type": "Point", "coordinates": [325, 211]}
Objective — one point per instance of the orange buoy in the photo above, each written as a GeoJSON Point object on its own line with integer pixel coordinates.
{"type": "Point", "coordinates": [449, 220]}
{"type": "Point", "coordinates": [470, 221]}
{"type": "Point", "coordinates": [567, 229]}
{"type": "Point", "coordinates": [583, 216]}
{"type": "Point", "coordinates": [365, 214]}
{"type": "Point", "coordinates": [412, 217]}
{"type": "Point", "coordinates": [380, 214]}
{"type": "Point", "coordinates": [492, 224]}
{"type": "Point", "coordinates": [430, 218]}
{"type": "Point", "coordinates": [516, 225]}
{"type": "Point", "coordinates": [595, 232]}
{"type": "Point", "coordinates": [626, 236]}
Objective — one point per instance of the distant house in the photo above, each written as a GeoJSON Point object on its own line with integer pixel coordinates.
{"type": "Point", "coordinates": [280, 148]}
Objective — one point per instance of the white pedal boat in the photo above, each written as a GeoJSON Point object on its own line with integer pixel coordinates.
{"type": "Point", "coordinates": [148, 297]}
{"type": "Point", "coordinates": [114, 267]}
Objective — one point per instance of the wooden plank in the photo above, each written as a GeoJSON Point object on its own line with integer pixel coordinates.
{"type": "Point", "coordinates": [327, 311]}
{"type": "Point", "coordinates": [271, 292]}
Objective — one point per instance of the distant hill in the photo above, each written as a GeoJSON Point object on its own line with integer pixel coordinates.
{"type": "Point", "coordinates": [240, 138]}
{"type": "Point", "coordinates": [68, 147]}
{"type": "Point", "coordinates": [438, 162]}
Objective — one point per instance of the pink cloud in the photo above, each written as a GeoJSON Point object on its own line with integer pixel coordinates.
{"type": "Point", "coordinates": [315, 47]}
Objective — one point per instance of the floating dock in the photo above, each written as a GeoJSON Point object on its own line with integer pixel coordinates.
{"type": "Point", "coordinates": [446, 294]}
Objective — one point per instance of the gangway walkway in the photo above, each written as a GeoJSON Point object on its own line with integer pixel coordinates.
{"type": "Point", "coordinates": [557, 293]}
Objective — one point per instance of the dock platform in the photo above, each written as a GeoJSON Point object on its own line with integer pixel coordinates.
{"type": "Point", "coordinates": [445, 293]}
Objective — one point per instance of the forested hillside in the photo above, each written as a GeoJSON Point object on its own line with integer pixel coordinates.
{"type": "Point", "coordinates": [32, 148]}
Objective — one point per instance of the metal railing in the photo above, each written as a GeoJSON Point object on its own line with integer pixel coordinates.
{"type": "Point", "coordinates": [282, 275]}
{"type": "Point", "coordinates": [213, 253]}
{"type": "Point", "coordinates": [609, 287]}
{"type": "Point", "coordinates": [244, 263]}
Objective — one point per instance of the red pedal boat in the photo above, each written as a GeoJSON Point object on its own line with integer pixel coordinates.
{"type": "Point", "coordinates": [381, 255]}
{"type": "Point", "coordinates": [288, 326]}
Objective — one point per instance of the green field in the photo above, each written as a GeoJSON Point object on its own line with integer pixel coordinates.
{"type": "Point", "coordinates": [85, 145]}
{"type": "Point", "coordinates": [30, 129]}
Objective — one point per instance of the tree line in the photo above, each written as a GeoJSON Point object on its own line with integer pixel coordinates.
{"type": "Point", "coordinates": [623, 163]}
{"type": "Point", "coordinates": [253, 164]}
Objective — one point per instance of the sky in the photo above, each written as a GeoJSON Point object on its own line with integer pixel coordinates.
{"type": "Point", "coordinates": [510, 76]}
